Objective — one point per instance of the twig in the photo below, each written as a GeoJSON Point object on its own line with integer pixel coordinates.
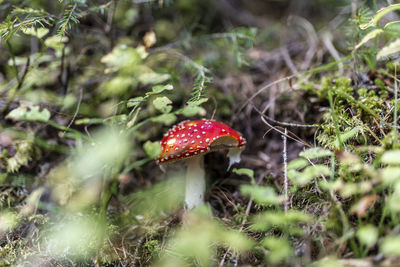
{"type": "Point", "coordinates": [285, 177]}
{"type": "Point", "coordinates": [139, 243]}
{"type": "Point", "coordinates": [312, 38]}
{"type": "Point", "coordinates": [249, 100]}
{"type": "Point", "coordinates": [288, 60]}
{"type": "Point", "coordinates": [64, 72]}
{"type": "Point", "coordinates": [286, 124]}
{"type": "Point", "coordinates": [77, 108]}
{"type": "Point", "coordinates": [110, 18]}
{"type": "Point", "coordinates": [326, 39]}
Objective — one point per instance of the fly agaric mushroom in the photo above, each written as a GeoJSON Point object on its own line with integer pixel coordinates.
{"type": "Point", "coordinates": [191, 140]}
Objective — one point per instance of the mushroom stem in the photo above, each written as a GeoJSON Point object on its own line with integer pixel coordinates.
{"type": "Point", "coordinates": [195, 182]}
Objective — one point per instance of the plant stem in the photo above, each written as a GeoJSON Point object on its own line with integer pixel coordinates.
{"type": "Point", "coordinates": [109, 189]}
{"type": "Point", "coordinates": [395, 107]}
{"type": "Point", "coordinates": [332, 176]}
{"type": "Point", "coordinates": [13, 60]}
{"type": "Point", "coordinates": [335, 121]}
{"type": "Point", "coordinates": [66, 129]}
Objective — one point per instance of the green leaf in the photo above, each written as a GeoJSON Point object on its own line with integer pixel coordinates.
{"type": "Point", "coordinates": [348, 189]}
{"type": "Point", "coordinates": [75, 238]}
{"type": "Point", "coordinates": [153, 78]}
{"type": "Point", "coordinates": [167, 119]}
{"type": "Point", "coordinates": [391, 157]}
{"type": "Point", "coordinates": [56, 42]}
{"type": "Point", "coordinates": [390, 246]}
{"type": "Point", "coordinates": [347, 135]}
{"type": "Point", "coordinates": [122, 58]}
{"type": "Point", "coordinates": [8, 220]}
{"type": "Point", "coordinates": [198, 102]}
{"type": "Point", "coordinates": [117, 86]}
{"type": "Point", "coordinates": [262, 195]}
{"type": "Point", "coordinates": [368, 235]}
{"type": "Point", "coordinates": [315, 153]}
{"type": "Point", "coordinates": [160, 88]}
{"type": "Point", "coordinates": [368, 37]}
{"type": "Point", "coordinates": [392, 24]}
{"type": "Point", "coordinates": [309, 173]}
{"type": "Point", "coordinates": [390, 174]}
{"type": "Point", "coordinates": [162, 104]}
{"type": "Point", "coordinates": [379, 15]}
{"type": "Point", "coordinates": [37, 32]}
{"type": "Point", "coordinates": [298, 164]}
{"type": "Point", "coordinates": [152, 149]}
{"type": "Point", "coordinates": [109, 147]}
{"type": "Point", "coordinates": [394, 199]}
{"type": "Point", "coordinates": [190, 111]}
{"type": "Point", "coordinates": [134, 101]}
{"type": "Point", "coordinates": [245, 171]}
{"type": "Point", "coordinates": [393, 47]}
{"type": "Point", "coordinates": [285, 221]}
{"type": "Point", "coordinates": [279, 249]}
{"type": "Point", "coordinates": [234, 239]}
{"type": "Point", "coordinates": [24, 113]}
{"type": "Point", "coordinates": [333, 185]}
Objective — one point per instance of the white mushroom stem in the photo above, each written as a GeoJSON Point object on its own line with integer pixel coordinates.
{"type": "Point", "coordinates": [195, 182]}
{"type": "Point", "coordinates": [234, 156]}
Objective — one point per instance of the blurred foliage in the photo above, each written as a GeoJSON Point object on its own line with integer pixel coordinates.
{"type": "Point", "coordinates": [88, 87]}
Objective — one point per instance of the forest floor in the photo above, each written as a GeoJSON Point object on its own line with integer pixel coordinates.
{"type": "Point", "coordinates": [87, 95]}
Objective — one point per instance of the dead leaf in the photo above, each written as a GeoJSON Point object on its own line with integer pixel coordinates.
{"type": "Point", "coordinates": [365, 204]}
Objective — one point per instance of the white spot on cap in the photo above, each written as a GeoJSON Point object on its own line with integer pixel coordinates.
{"type": "Point", "coordinates": [171, 141]}
{"type": "Point", "coordinates": [208, 140]}
{"type": "Point", "coordinates": [192, 142]}
{"type": "Point", "coordinates": [198, 136]}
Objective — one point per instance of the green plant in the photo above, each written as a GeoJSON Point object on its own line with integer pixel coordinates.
{"type": "Point", "coordinates": [371, 30]}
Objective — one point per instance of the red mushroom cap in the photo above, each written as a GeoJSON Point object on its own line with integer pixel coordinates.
{"type": "Point", "coordinates": [193, 138]}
